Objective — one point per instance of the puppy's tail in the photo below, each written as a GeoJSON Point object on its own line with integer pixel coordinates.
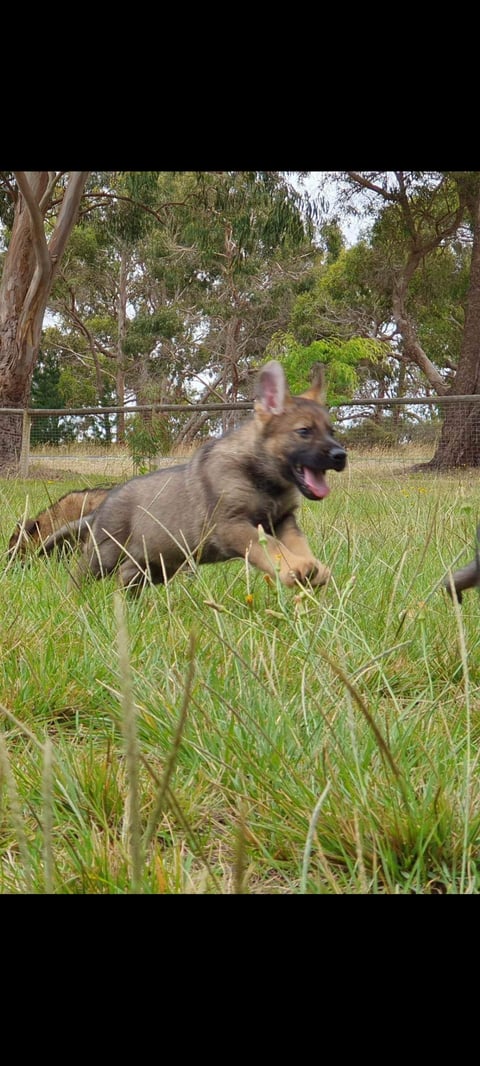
{"type": "Point", "coordinates": [469, 577]}
{"type": "Point", "coordinates": [71, 533]}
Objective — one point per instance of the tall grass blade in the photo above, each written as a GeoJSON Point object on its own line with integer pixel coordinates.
{"type": "Point", "coordinates": [129, 729]}
{"type": "Point", "coordinates": [47, 821]}
{"type": "Point", "coordinates": [16, 814]}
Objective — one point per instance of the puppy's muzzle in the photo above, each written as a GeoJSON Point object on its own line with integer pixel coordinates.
{"type": "Point", "coordinates": [337, 458]}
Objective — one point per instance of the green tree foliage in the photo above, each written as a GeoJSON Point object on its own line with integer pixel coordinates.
{"type": "Point", "coordinates": [343, 361]}
{"type": "Point", "coordinates": [347, 297]}
{"type": "Point", "coordinates": [225, 261]}
{"type": "Point", "coordinates": [437, 300]}
{"type": "Point", "coordinates": [47, 393]}
{"type": "Point", "coordinates": [207, 266]}
{"type": "Point", "coordinates": [57, 383]}
{"type": "Point", "coordinates": [85, 301]}
{"type": "Point", "coordinates": [383, 290]}
{"type": "Point", "coordinates": [352, 298]}
{"type": "Point", "coordinates": [173, 283]}
{"type": "Point", "coordinates": [147, 440]}
{"type": "Point", "coordinates": [425, 238]}
{"type": "Point", "coordinates": [175, 286]}
{"type": "Point", "coordinates": [414, 217]}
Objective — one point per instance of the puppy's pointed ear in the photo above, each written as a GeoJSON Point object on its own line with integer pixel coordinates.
{"type": "Point", "coordinates": [318, 388]}
{"type": "Point", "coordinates": [272, 389]}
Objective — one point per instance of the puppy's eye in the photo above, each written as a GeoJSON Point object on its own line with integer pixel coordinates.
{"type": "Point", "coordinates": [305, 431]}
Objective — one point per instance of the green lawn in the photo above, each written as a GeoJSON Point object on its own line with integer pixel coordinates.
{"type": "Point", "coordinates": [224, 735]}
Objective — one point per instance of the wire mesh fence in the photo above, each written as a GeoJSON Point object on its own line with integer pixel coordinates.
{"type": "Point", "coordinates": [131, 440]}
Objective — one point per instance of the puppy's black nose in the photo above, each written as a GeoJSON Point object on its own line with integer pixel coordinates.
{"type": "Point", "coordinates": [338, 457]}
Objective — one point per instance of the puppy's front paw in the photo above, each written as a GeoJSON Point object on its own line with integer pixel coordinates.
{"type": "Point", "coordinates": [304, 570]}
{"type": "Point", "coordinates": [321, 576]}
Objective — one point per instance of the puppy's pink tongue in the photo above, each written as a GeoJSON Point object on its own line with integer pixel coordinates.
{"type": "Point", "coordinates": [316, 483]}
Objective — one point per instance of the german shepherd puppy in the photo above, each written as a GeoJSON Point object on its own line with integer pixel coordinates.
{"type": "Point", "coordinates": [70, 507]}
{"type": "Point", "coordinates": [237, 497]}
{"type": "Point", "coordinates": [469, 577]}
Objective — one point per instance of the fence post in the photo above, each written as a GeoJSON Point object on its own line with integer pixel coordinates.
{"type": "Point", "coordinates": [25, 449]}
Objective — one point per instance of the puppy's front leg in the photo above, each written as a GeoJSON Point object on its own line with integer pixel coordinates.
{"type": "Point", "coordinates": [292, 537]}
{"type": "Point", "coordinates": [272, 556]}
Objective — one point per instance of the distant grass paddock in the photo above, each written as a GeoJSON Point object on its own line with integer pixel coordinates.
{"type": "Point", "coordinates": [227, 735]}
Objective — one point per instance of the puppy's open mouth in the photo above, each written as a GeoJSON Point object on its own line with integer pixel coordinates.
{"type": "Point", "coordinates": [311, 482]}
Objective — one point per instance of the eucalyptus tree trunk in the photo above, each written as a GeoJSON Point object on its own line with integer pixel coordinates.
{"type": "Point", "coordinates": [459, 443]}
{"type": "Point", "coordinates": [122, 329]}
{"type": "Point", "coordinates": [30, 266]}
{"type": "Point", "coordinates": [230, 371]}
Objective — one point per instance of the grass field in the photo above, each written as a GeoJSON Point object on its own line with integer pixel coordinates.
{"type": "Point", "coordinates": [226, 735]}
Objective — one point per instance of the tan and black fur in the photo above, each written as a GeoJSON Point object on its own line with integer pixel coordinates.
{"type": "Point", "coordinates": [212, 507]}
{"type": "Point", "coordinates": [31, 533]}
{"type": "Point", "coordinates": [468, 577]}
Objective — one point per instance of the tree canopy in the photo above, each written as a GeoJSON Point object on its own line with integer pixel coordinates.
{"type": "Point", "coordinates": [172, 286]}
